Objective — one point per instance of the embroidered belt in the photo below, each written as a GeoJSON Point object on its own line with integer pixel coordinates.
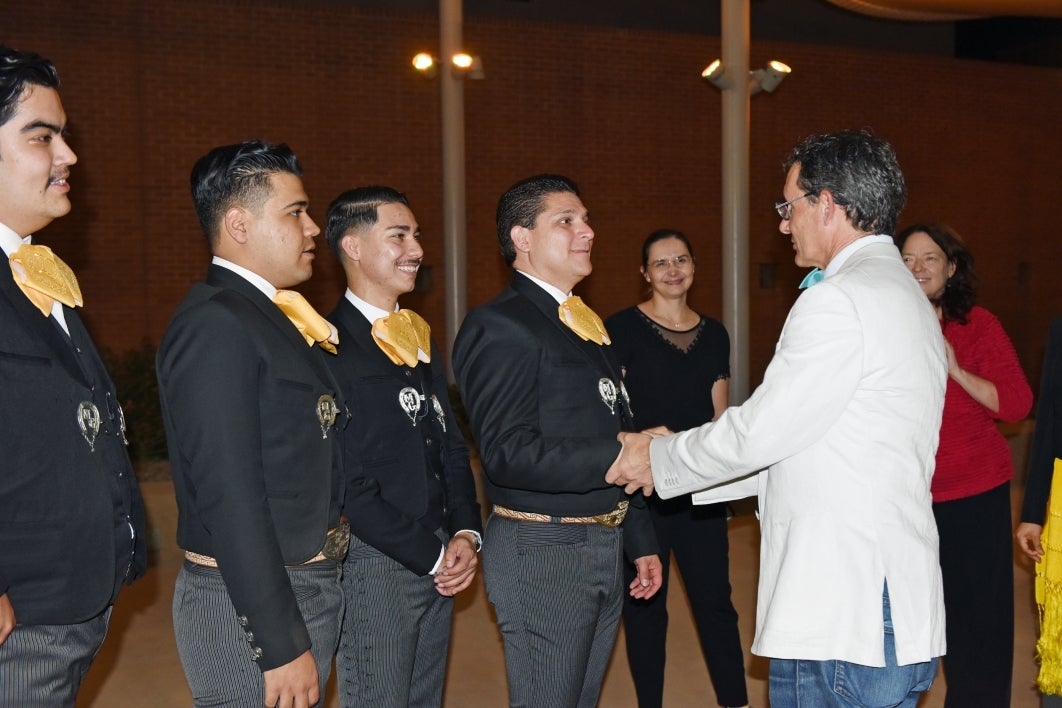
{"type": "Point", "coordinates": [335, 549]}
{"type": "Point", "coordinates": [610, 519]}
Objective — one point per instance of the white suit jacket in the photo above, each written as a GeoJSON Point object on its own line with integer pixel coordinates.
{"type": "Point", "coordinates": [844, 427]}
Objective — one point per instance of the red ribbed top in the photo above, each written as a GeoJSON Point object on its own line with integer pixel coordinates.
{"type": "Point", "coordinates": [973, 456]}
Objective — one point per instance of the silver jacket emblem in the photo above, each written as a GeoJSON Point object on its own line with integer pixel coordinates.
{"type": "Point", "coordinates": [410, 400]}
{"type": "Point", "coordinates": [608, 392]}
{"type": "Point", "coordinates": [626, 398]}
{"type": "Point", "coordinates": [88, 419]}
{"type": "Point", "coordinates": [326, 413]}
{"type": "Point", "coordinates": [440, 415]}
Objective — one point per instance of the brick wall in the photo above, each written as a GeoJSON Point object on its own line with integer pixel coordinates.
{"type": "Point", "coordinates": [149, 87]}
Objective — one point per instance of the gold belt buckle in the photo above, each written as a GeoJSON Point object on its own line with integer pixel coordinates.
{"type": "Point", "coordinates": [335, 547]}
{"type": "Point", "coordinates": [613, 518]}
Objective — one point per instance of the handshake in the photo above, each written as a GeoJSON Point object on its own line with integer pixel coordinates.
{"type": "Point", "coordinates": [632, 469]}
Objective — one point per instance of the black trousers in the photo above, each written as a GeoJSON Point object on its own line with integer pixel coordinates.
{"type": "Point", "coordinates": [697, 534]}
{"type": "Point", "coordinates": [977, 565]}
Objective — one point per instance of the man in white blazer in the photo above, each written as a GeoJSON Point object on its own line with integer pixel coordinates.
{"type": "Point", "coordinates": [839, 443]}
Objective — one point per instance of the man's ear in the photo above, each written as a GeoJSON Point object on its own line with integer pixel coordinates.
{"type": "Point", "coordinates": [350, 245]}
{"type": "Point", "coordinates": [521, 236]}
{"type": "Point", "coordinates": [235, 225]}
{"type": "Point", "coordinates": [826, 207]}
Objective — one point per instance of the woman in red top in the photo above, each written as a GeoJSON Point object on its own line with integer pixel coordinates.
{"type": "Point", "coordinates": [971, 484]}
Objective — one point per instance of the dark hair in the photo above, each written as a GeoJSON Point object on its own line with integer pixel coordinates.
{"type": "Point", "coordinates": [522, 203]}
{"type": "Point", "coordinates": [356, 209]}
{"type": "Point", "coordinates": [660, 235]}
{"type": "Point", "coordinates": [960, 292]}
{"type": "Point", "coordinates": [859, 170]}
{"type": "Point", "coordinates": [18, 70]}
{"type": "Point", "coordinates": [237, 174]}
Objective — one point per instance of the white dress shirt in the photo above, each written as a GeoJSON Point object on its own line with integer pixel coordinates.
{"type": "Point", "coordinates": [557, 294]}
{"type": "Point", "coordinates": [250, 276]}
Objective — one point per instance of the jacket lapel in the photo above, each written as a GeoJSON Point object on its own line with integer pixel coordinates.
{"type": "Point", "coordinates": [358, 329]}
{"type": "Point", "coordinates": [601, 356]}
{"type": "Point", "coordinates": [46, 328]}
{"type": "Point", "coordinates": [225, 278]}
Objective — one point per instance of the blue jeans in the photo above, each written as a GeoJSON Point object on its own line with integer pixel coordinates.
{"type": "Point", "coordinates": [798, 683]}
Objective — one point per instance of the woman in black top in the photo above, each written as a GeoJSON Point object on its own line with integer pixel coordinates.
{"type": "Point", "coordinates": [676, 366]}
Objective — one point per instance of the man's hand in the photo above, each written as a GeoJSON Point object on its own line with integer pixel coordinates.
{"type": "Point", "coordinates": [7, 617]}
{"type": "Point", "coordinates": [293, 685]}
{"type": "Point", "coordinates": [650, 577]}
{"type": "Point", "coordinates": [458, 566]}
{"type": "Point", "coordinates": [1028, 538]}
{"type": "Point", "coordinates": [631, 469]}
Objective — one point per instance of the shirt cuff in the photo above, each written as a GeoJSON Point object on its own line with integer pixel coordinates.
{"type": "Point", "coordinates": [438, 564]}
{"type": "Point", "coordinates": [476, 537]}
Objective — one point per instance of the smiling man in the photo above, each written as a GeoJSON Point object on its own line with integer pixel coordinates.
{"type": "Point", "coordinates": [410, 494]}
{"type": "Point", "coordinates": [839, 442]}
{"type": "Point", "coordinates": [71, 517]}
{"type": "Point", "coordinates": [546, 401]}
{"type": "Point", "coordinates": [250, 410]}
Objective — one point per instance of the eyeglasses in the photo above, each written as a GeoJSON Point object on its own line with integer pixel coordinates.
{"type": "Point", "coordinates": [785, 209]}
{"type": "Point", "coordinates": [677, 262]}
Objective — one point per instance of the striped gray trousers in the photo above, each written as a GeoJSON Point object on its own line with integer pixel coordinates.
{"type": "Point", "coordinates": [213, 647]}
{"type": "Point", "coordinates": [396, 633]}
{"type": "Point", "coordinates": [42, 665]}
{"type": "Point", "coordinates": [557, 590]}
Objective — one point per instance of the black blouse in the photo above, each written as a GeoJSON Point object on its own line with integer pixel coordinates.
{"type": "Point", "coordinates": [669, 374]}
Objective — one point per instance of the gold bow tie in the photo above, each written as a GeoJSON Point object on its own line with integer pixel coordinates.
{"type": "Point", "coordinates": [44, 278]}
{"type": "Point", "coordinates": [313, 327]}
{"type": "Point", "coordinates": [404, 337]}
{"type": "Point", "coordinates": [583, 321]}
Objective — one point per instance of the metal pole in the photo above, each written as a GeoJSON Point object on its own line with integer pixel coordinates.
{"type": "Point", "coordinates": [453, 171]}
{"type": "Point", "coordinates": [735, 173]}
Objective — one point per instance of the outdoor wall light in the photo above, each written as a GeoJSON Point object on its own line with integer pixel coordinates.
{"type": "Point", "coordinates": [425, 63]}
{"type": "Point", "coordinates": [766, 79]}
{"type": "Point", "coordinates": [468, 65]}
{"type": "Point", "coordinates": [715, 75]}
{"type": "Point", "coordinates": [463, 64]}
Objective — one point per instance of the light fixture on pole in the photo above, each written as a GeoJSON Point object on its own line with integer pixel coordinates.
{"type": "Point", "coordinates": [462, 64]}
{"type": "Point", "coordinates": [716, 75]}
{"type": "Point", "coordinates": [465, 64]}
{"type": "Point", "coordinates": [425, 64]}
{"type": "Point", "coordinates": [766, 79]}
